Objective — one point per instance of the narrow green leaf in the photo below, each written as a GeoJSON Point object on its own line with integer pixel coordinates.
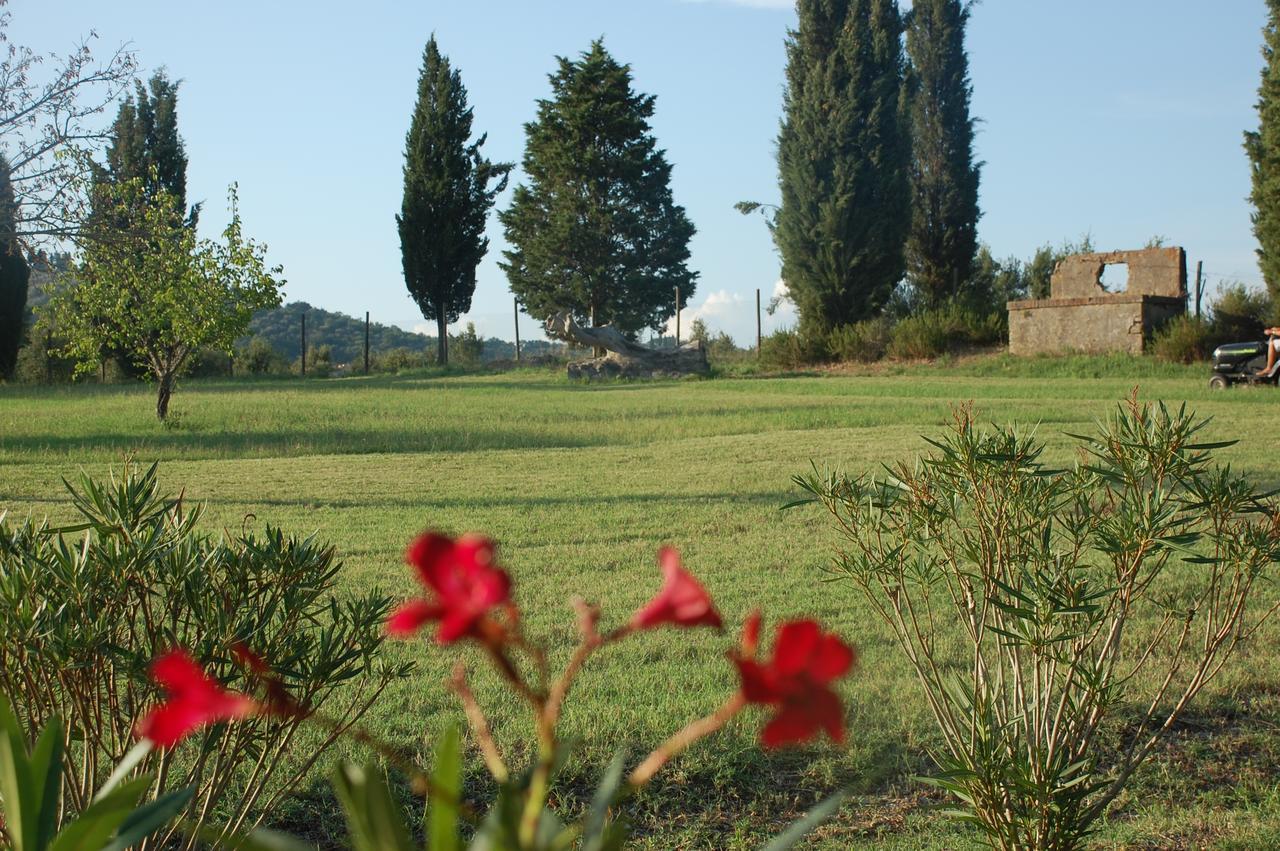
{"type": "Point", "coordinates": [446, 780]}
{"type": "Point", "coordinates": [98, 823]}
{"type": "Point", "coordinates": [593, 831]}
{"type": "Point", "coordinates": [148, 818]}
{"type": "Point", "coordinates": [130, 760]}
{"type": "Point", "coordinates": [44, 768]}
{"type": "Point", "coordinates": [374, 821]}
{"type": "Point", "coordinates": [800, 828]}
{"type": "Point", "coordinates": [16, 794]}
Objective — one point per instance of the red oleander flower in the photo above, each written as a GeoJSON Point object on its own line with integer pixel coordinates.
{"type": "Point", "coordinates": [464, 586]}
{"type": "Point", "coordinates": [796, 681]}
{"type": "Point", "coordinates": [682, 601]}
{"type": "Point", "coordinates": [193, 700]}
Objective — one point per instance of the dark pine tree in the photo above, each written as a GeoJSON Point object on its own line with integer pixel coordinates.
{"type": "Point", "coordinates": [944, 178]}
{"type": "Point", "coordinates": [448, 190]}
{"type": "Point", "coordinates": [843, 161]}
{"type": "Point", "coordinates": [1263, 147]}
{"type": "Point", "coordinates": [145, 145]}
{"type": "Point", "coordinates": [14, 273]}
{"type": "Point", "coordinates": [596, 231]}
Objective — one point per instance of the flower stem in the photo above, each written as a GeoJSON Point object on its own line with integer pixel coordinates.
{"type": "Point", "coordinates": [479, 724]}
{"type": "Point", "coordinates": [693, 731]}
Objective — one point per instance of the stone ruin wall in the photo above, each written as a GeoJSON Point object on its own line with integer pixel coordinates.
{"type": "Point", "coordinates": [1081, 315]}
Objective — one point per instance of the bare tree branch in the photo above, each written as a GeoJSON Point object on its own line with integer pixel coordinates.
{"type": "Point", "coordinates": [49, 104]}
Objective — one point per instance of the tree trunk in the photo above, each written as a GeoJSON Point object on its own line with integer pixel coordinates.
{"type": "Point", "coordinates": [442, 343]}
{"type": "Point", "coordinates": [596, 351]}
{"type": "Point", "coordinates": [163, 393]}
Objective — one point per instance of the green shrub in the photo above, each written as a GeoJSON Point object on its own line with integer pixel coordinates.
{"type": "Point", "coordinates": [1035, 605]}
{"type": "Point", "coordinates": [1184, 339]}
{"type": "Point", "coordinates": [209, 363]}
{"type": "Point", "coordinates": [399, 360]}
{"type": "Point", "coordinates": [863, 342]}
{"type": "Point", "coordinates": [932, 333]}
{"type": "Point", "coordinates": [87, 607]}
{"type": "Point", "coordinates": [319, 362]}
{"type": "Point", "coordinates": [789, 349]}
{"type": "Point", "coordinates": [466, 349]}
{"type": "Point", "coordinates": [37, 365]}
{"type": "Point", "coordinates": [1240, 313]}
{"type": "Point", "coordinates": [920, 336]}
{"type": "Point", "coordinates": [259, 358]}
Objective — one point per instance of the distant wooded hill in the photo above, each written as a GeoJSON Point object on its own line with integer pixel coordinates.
{"type": "Point", "coordinates": [281, 328]}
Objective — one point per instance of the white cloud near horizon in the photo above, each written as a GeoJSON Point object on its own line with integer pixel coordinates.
{"type": "Point", "coordinates": [735, 314]}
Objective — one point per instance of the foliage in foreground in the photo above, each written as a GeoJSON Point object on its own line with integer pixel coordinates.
{"type": "Point", "coordinates": [1055, 577]}
{"type": "Point", "coordinates": [468, 598]}
{"type": "Point", "coordinates": [85, 615]}
{"type": "Point", "coordinates": [31, 785]}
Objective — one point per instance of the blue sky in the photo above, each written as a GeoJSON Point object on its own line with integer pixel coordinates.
{"type": "Point", "coordinates": [1122, 120]}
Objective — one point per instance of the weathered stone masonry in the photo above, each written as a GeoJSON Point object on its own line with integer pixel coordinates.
{"type": "Point", "coordinates": [1081, 315]}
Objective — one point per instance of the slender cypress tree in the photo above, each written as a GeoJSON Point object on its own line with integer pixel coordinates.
{"type": "Point", "coordinates": [596, 230]}
{"type": "Point", "coordinates": [14, 273]}
{"type": "Point", "coordinates": [1263, 148]}
{"type": "Point", "coordinates": [944, 178]}
{"type": "Point", "coordinates": [145, 146]}
{"type": "Point", "coordinates": [448, 190]}
{"type": "Point", "coordinates": [843, 158]}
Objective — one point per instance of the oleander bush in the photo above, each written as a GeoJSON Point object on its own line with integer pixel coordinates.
{"type": "Point", "coordinates": [1059, 621]}
{"type": "Point", "coordinates": [88, 606]}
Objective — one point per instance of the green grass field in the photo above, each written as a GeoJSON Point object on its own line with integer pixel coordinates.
{"type": "Point", "coordinates": [582, 484]}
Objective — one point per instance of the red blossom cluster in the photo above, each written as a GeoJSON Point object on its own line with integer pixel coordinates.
{"type": "Point", "coordinates": [193, 700]}
{"type": "Point", "coordinates": [466, 592]}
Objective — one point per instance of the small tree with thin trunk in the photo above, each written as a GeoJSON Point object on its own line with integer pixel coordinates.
{"type": "Point", "coordinates": [448, 190]}
{"type": "Point", "coordinates": [158, 293]}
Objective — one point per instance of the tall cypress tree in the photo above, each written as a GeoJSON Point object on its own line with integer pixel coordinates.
{"type": "Point", "coordinates": [14, 273]}
{"type": "Point", "coordinates": [596, 230]}
{"type": "Point", "coordinates": [448, 190]}
{"type": "Point", "coordinates": [843, 158]}
{"type": "Point", "coordinates": [145, 144]}
{"type": "Point", "coordinates": [944, 178]}
{"type": "Point", "coordinates": [1263, 148]}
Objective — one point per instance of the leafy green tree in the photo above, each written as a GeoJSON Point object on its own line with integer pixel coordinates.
{"type": "Point", "coordinates": [159, 294]}
{"type": "Point", "coordinates": [14, 273]}
{"type": "Point", "coordinates": [1263, 148]}
{"type": "Point", "coordinates": [596, 231]}
{"type": "Point", "coordinates": [145, 150]}
{"type": "Point", "coordinates": [448, 190]}
{"type": "Point", "coordinates": [843, 161]}
{"type": "Point", "coordinates": [944, 177]}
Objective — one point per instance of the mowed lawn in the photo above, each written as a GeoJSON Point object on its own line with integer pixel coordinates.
{"type": "Point", "coordinates": [581, 485]}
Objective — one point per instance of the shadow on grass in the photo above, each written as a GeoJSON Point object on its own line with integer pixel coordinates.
{"type": "Point", "coordinates": [751, 793]}
{"type": "Point", "coordinates": [195, 444]}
